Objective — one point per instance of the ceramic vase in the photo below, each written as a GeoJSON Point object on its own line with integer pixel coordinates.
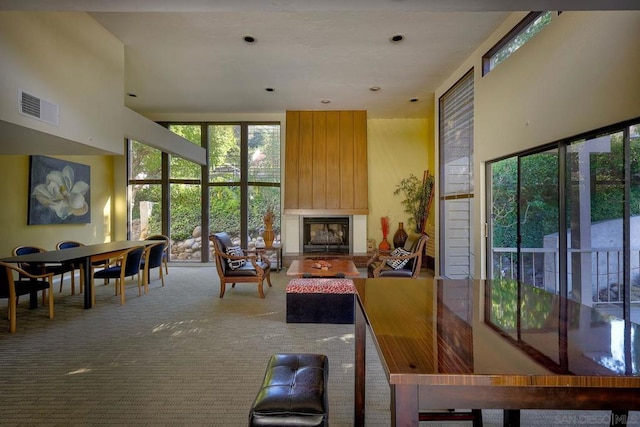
{"type": "Point", "coordinates": [268, 235]}
{"type": "Point", "coordinates": [384, 245]}
{"type": "Point", "coordinates": [400, 237]}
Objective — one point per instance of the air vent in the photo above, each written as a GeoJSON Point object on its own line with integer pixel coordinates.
{"type": "Point", "coordinates": [38, 108]}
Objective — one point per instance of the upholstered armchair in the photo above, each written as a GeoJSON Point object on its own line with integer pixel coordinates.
{"type": "Point", "coordinates": [26, 283]}
{"type": "Point", "coordinates": [402, 262]}
{"type": "Point", "coordinates": [235, 265]}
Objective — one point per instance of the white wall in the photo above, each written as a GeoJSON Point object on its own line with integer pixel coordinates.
{"type": "Point", "coordinates": [580, 73]}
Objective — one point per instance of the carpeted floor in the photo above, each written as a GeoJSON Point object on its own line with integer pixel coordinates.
{"type": "Point", "coordinates": [181, 356]}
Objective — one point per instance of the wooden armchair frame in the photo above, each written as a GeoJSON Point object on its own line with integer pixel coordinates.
{"type": "Point", "coordinates": [255, 270]}
{"type": "Point", "coordinates": [377, 265]}
{"type": "Point", "coordinates": [25, 284]}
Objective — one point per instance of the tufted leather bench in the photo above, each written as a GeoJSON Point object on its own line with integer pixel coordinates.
{"type": "Point", "coordinates": [293, 393]}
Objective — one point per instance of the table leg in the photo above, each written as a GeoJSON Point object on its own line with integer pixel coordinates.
{"type": "Point", "coordinates": [88, 283]}
{"type": "Point", "coordinates": [33, 298]}
{"type": "Point", "coordinates": [360, 363]}
{"type": "Point", "coordinates": [511, 418]}
{"type": "Point", "coordinates": [404, 405]}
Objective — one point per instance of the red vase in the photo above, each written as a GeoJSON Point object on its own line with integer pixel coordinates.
{"type": "Point", "coordinates": [384, 245]}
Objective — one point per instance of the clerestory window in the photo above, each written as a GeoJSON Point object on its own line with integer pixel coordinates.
{"type": "Point", "coordinates": [531, 25]}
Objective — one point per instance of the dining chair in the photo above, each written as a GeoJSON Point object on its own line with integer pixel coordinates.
{"type": "Point", "coordinates": [26, 283]}
{"type": "Point", "coordinates": [38, 268]}
{"type": "Point", "coordinates": [152, 259]}
{"type": "Point", "coordinates": [72, 267]}
{"type": "Point", "coordinates": [165, 252]}
{"type": "Point", "coordinates": [127, 264]}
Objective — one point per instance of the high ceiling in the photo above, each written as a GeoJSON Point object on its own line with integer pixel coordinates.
{"type": "Point", "coordinates": [190, 56]}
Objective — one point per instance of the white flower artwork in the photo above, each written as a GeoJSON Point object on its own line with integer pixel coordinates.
{"type": "Point", "coordinates": [61, 191]}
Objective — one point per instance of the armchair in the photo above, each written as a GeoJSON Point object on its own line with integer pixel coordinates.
{"type": "Point", "coordinates": [26, 283]}
{"type": "Point", "coordinates": [39, 268]}
{"type": "Point", "coordinates": [406, 265]}
{"type": "Point", "coordinates": [239, 267]}
{"type": "Point", "coordinates": [121, 267]}
{"type": "Point", "coordinates": [152, 259]}
{"type": "Point", "coordinates": [165, 251]}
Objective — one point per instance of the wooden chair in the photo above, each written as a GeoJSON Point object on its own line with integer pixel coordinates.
{"type": "Point", "coordinates": [406, 265]}
{"type": "Point", "coordinates": [39, 268]}
{"type": "Point", "coordinates": [127, 264]}
{"type": "Point", "coordinates": [72, 267]}
{"type": "Point", "coordinates": [152, 259]}
{"type": "Point", "coordinates": [165, 252]}
{"type": "Point", "coordinates": [239, 267]}
{"type": "Point", "coordinates": [26, 283]}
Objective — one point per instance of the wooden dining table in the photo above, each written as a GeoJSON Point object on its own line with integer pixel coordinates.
{"type": "Point", "coordinates": [84, 255]}
{"type": "Point", "coordinates": [486, 344]}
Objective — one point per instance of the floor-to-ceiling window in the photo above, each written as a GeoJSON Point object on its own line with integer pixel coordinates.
{"type": "Point", "coordinates": [456, 180]}
{"type": "Point", "coordinates": [566, 217]}
{"type": "Point", "coordinates": [242, 178]}
{"type": "Point", "coordinates": [144, 191]}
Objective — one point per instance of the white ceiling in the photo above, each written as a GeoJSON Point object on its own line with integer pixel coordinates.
{"type": "Point", "coordinates": [189, 56]}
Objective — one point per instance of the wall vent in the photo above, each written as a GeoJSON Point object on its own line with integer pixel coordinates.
{"type": "Point", "coordinates": [38, 108]}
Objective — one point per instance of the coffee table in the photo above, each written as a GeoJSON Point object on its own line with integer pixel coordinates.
{"type": "Point", "coordinates": [303, 268]}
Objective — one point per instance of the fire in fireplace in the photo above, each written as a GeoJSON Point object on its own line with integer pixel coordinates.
{"type": "Point", "coordinates": [326, 235]}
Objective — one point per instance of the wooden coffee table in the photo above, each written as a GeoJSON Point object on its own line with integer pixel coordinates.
{"type": "Point", "coordinates": [302, 268]}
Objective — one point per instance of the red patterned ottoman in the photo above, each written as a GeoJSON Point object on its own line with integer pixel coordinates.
{"type": "Point", "coordinates": [320, 301]}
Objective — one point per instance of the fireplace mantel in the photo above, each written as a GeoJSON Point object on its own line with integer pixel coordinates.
{"type": "Point", "coordinates": [320, 212]}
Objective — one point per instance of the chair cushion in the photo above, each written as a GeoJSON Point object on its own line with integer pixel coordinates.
{"type": "Point", "coordinates": [234, 264]}
{"type": "Point", "coordinates": [397, 264]}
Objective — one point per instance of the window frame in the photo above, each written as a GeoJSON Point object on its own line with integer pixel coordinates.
{"type": "Point", "coordinates": [508, 38]}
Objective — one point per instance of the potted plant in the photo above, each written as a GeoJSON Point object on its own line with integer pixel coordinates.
{"type": "Point", "coordinates": [418, 196]}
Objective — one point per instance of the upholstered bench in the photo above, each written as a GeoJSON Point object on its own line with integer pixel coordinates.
{"type": "Point", "coordinates": [320, 301]}
{"type": "Point", "coordinates": [293, 392]}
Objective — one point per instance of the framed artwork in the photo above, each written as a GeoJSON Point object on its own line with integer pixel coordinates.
{"type": "Point", "coordinates": [59, 192]}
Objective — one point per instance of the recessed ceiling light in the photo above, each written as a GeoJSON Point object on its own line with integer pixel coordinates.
{"type": "Point", "coordinates": [132, 95]}
{"type": "Point", "coordinates": [374, 88]}
{"type": "Point", "coordinates": [269, 89]}
{"type": "Point", "coordinates": [397, 38]}
{"type": "Point", "coordinates": [326, 101]}
{"type": "Point", "coordinates": [414, 100]}
{"type": "Point", "coordinates": [249, 39]}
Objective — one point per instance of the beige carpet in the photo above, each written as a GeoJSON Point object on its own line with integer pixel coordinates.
{"type": "Point", "coordinates": [181, 356]}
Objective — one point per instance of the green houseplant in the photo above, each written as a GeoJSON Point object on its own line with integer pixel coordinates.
{"type": "Point", "coordinates": [418, 195]}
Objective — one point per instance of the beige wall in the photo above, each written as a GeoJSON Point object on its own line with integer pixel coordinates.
{"type": "Point", "coordinates": [580, 73]}
{"type": "Point", "coordinates": [396, 148]}
{"type": "Point", "coordinates": [70, 60]}
{"type": "Point", "coordinates": [15, 193]}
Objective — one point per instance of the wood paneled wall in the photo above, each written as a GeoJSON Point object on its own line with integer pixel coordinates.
{"type": "Point", "coordinates": [326, 163]}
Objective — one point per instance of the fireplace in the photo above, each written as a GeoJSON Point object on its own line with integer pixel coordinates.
{"type": "Point", "coordinates": [326, 234]}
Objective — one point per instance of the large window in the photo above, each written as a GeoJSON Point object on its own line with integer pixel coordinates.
{"type": "Point", "coordinates": [242, 178]}
{"type": "Point", "coordinates": [144, 191]}
{"type": "Point", "coordinates": [567, 217]}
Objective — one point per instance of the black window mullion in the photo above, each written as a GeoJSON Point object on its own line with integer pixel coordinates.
{"type": "Point", "coordinates": [244, 180]}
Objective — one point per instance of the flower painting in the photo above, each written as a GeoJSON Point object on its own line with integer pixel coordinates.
{"type": "Point", "coordinates": [59, 192]}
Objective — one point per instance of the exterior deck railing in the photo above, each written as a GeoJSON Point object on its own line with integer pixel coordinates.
{"type": "Point", "coordinates": [603, 266]}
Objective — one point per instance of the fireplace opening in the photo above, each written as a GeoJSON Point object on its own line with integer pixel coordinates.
{"type": "Point", "coordinates": [326, 235]}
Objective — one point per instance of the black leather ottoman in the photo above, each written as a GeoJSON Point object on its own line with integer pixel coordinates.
{"type": "Point", "coordinates": [293, 392]}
